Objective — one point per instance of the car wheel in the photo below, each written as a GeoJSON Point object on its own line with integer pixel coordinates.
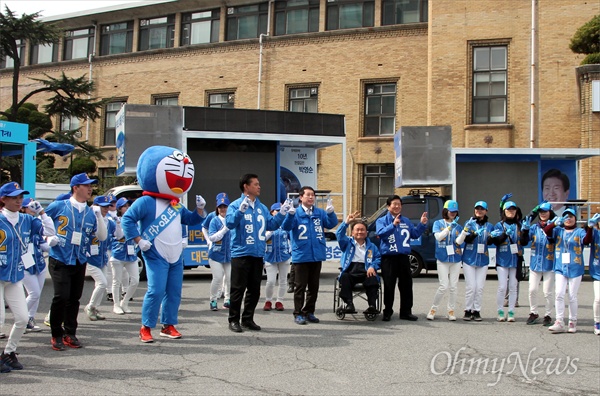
{"type": "Point", "coordinates": [416, 265]}
{"type": "Point", "coordinates": [142, 269]}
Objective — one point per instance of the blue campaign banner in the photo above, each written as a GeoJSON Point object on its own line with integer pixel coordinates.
{"type": "Point", "coordinates": [398, 159]}
{"type": "Point", "coordinates": [195, 256]}
{"type": "Point", "coordinates": [416, 242]}
{"type": "Point", "coordinates": [120, 140]}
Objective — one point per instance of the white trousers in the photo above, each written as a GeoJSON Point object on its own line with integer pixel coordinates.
{"type": "Point", "coordinates": [548, 287]}
{"type": "Point", "coordinates": [132, 269]}
{"type": "Point", "coordinates": [448, 274]}
{"type": "Point", "coordinates": [596, 304]}
{"type": "Point", "coordinates": [34, 285]}
{"type": "Point", "coordinates": [14, 297]}
{"type": "Point", "coordinates": [109, 279]}
{"type": "Point", "coordinates": [283, 269]}
{"type": "Point", "coordinates": [99, 276]}
{"type": "Point", "coordinates": [474, 282]}
{"type": "Point", "coordinates": [561, 283]}
{"type": "Point", "coordinates": [221, 279]}
{"type": "Point", "coordinates": [506, 276]}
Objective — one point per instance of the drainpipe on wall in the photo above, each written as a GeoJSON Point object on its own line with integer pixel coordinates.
{"type": "Point", "coordinates": [260, 52]}
{"type": "Point", "coordinates": [532, 77]}
{"type": "Point", "coordinates": [90, 78]}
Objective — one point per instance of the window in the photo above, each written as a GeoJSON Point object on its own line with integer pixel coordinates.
{"type": "Point", "coordinates": [157, 33]}
{"type": "Point", "coordinates": [70, 124]}
{"type": "Point", "coordinates": [304, 100]}
{"type": "Point", "coordinates": [116, 38]}
{"type": "Point", "coordinates": [296, 16]}
{"type": "Point", "coordinates": [166, 101]}
{"type": "Point", "coordinates": [247, 21]}
{"type": "Point", "coordinates": [6, 62]}
{"type": "Point", "coordinates": [403, 11]}
{"type": "Point", "coordinates": [380, 109]}
{"type": "Point", "coordinates": [489, 84]}
{"type": "Point", "coordinates": [44, 54]}
{"type": "Point", "coordinates": [224, 100]}
{"type": "Point", "coordinates": [378, 185]}
{"type": "Point", "coordinates": [200, 27]}
{"type": "Point", "coordinates": [79, 43]}
{"type": "Point", "coordinates": [347, 14]}
{"type": "Point", "coordinates": [109, 122]}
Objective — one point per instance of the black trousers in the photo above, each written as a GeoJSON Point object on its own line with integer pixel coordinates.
{"type": "Point", "coordinates": [396, 268]}
{"type": "Point", "coordinates": [306, 281]}
{"type": "Point", "coordinates": [349, 280]}
{"type": "Point", "coordinates": [246, 275]}
{"type": "Point", "coordinates": [68, 281]}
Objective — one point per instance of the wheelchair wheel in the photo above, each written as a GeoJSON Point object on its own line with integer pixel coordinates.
{"type": "Point", "coordinates": [371, 316]}
{"type": "Point", "coordinates": [340, 314]}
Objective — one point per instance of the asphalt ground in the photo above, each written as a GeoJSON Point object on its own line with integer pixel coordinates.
{"type": "Point", "coordinates": [335, 357]}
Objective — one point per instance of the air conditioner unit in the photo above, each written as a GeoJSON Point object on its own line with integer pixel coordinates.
{"type": "Point", "coordinates": [230, 10]}
{"type": "Point", "coordinates": [314, 91]}
{"type": "Point", "coordinates": [230, 98]}
{"type": "Point", "coordinates": [370, 91]}
{"type": "Point", "coordinates": [596, 96]}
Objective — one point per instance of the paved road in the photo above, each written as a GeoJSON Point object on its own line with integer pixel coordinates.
{"type": "Point", "coordinates": [334, 357]}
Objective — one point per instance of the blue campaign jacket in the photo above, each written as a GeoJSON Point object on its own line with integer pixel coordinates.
{"type": "Point", "coordinates": [67, 219]}
{"type": "Point", "coordinates": [220, 251]}
{"type": "Point", "coordinates": [14, 243]}
{"type": "Point", "coordinates": [308, 234]}
{"type": "Point", "coordinates": [100, 260]}
{"type": "Point", "coordinates": [595, 255]}
{"type": "Point", "coordinates": [470, 255]}
{"type": "Point", "coordinates": [440, 246]}
{"type": "Point", "coordinates": [396, 239]}
{"type": "Point", "coordinates": [542, 249]}
{"type": "Point", "coordinates": [248, 229]}
{"type": "Point", "coordinates": [40, 261]}
{"type": "Point", "coordinates": [572, 243]}
{"type": "Point", "coordinates": [348, 247]}
{"type": "Point", "coordinates": [278, 247]}
{"type": "Point", "coordinates": [504, 257]}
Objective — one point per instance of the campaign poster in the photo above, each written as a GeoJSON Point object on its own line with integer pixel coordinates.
{"type": "Point", "coordinates": [558, 182]}
{"type": "Point", "coordinates": [297, 168]}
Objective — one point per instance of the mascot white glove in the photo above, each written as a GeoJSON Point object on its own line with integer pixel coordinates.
{"type": "Point", "coordinates": [144, 245]}
{"type": "Point", "coordinates": [53, 241]}
{"type": "Point", "coordinates": [200, 202]}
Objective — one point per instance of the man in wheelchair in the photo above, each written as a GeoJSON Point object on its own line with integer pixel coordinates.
{"type": "Point", "coordinates": [360, 262]}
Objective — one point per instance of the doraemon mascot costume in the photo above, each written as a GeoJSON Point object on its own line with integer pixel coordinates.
{"type": "Point", "coordinates": [154, 222]}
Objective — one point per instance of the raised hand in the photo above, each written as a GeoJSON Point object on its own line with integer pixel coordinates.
{"type": "Point", "coordinates": [200, 202]}
{"type": "Point", "coordinates": [496, 233]}
{"type": "Point", "coordinates": [285, 208]}
{"type": "Point", "coordinates": [245, 204]}
{"type": "Point", "coordinates": [329, 208]}
{"type": "Point", "coordinates": [352, 216]}
{"type": "Point", "coordinates": [526, 223]}
{"type": "Point", "coordinates": [506, 197]}
{"type": "Point", "coordinates": [470, 225]}
{"type": "Point", "coordinates": [36, 207]}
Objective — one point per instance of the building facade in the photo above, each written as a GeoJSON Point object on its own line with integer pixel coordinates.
{"type": "Point", "coordinates": [381, 63]}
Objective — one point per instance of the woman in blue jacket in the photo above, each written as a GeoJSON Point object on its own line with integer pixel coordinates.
{"type": "Point", "coordinates": [449, 256]}
{"type": "Point", "coordinates": [277, 261]}
{"type": "Point", "coordinates": [219, 253]}
{"type": "Point", "coordinates": [594, 223]}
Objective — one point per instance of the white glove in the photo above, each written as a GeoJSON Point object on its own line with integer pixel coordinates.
{"type": "Point", "coordinates": [53, 241]}
{"type": "Point", "coordinates": [329, 208]}
{"type": "Point", "coordinates": [285, 208]}
{"type": "Point", "coordinates": [44, 247]}
{"type": "Point", "coordinates": [96, 210]}
{"type": "Point", "coordinates": [184, 243]}
{"type": "Point", "coordinates": [144, 245]}
{"type": "Point", "coordinates": [292, 209]}
{"type": "Point", "coordinates": [200, 202]}
{"type": "Point", "coordinates": [36, 207]}
{"type": "Point", "coordinates": [244, 205]}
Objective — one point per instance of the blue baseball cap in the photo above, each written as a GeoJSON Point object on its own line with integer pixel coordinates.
{"type": "Point", "coordinates": [222, 199]}
{"type": "Point", "coordinates": [482, 204]}
{"type": "Point", "coordinates": [276, 206]}
{"type": "Point", "coordinates": [102, 200]}
{"type": "Point", "coordinates": [122, 202]}
{"type": "Point", "coordinates": [451, 205]}
{"type": "Point", "coordinates": [82, 178]}
{"type": "Point", "coordinates": [545, 207]}
{"type": "Point", "coordinates": [570, 211]}
{"type": "Point", "coordinates": [11, 189]}
{"type": "Point", "coordinates": [63, 197]}
{"type": "Point", "coordinates": [509, 204]}
{"type": "Point", "coordinates": [26, 202]}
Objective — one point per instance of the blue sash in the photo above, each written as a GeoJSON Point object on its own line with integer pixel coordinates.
{"type": "Point", "coordinates": [162, 222]}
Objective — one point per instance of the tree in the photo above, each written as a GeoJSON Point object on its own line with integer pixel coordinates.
{"type": "Point", "coordinates": [587, 41]}
{"type": "Point", "coordinates": [71, 97]}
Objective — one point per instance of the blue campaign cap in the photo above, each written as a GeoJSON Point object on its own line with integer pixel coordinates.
{"type": "Point", "coordinates": [222, 199]}
{"type": "Point", "coordinates": [509, 204]}
{"type": "Point", "coordinates": [482, 204]}
{"type": "Point", "coordinates": [545, 207]}
{"type": "Point", "coordinates": [11, 189]}
{"type": "Point", "coordinates": [276, 206]}
{"type": "Point", "coordinates": [102, 200]}
{"type": "Point", "coordinates": [451, 205]}
{"type": "Point", "coordinates": [570, 211]}
{"type": "Point", "coordinates": [26, 202]}
{"type": "Point", "coordinates": [112, 199]}
{"type": "Point", "coordinates": [63, 197]}
{"type": "Point", "coordinates": [122, 202]}
{"type": "Point", "coordinates": [82, 178]}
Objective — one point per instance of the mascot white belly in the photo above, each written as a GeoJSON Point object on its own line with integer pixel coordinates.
{"type": "Point", "coordinates": [168, 242]}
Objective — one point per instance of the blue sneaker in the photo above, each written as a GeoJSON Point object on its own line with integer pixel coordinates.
{"type": "Point", "coordinates": [226, 304]}
{"type": "Point", "coordinates": [301, 320]}
{"type": "Point", "coordinates": [312, 318]}
{"type": "Point", "coordinates": [213, 306]}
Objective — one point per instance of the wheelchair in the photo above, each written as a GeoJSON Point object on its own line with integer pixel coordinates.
{"type": "Point", "coordinates": [358, 292]}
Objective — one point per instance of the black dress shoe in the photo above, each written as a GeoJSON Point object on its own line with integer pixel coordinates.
{"type": "Point", "coordinates": [350, 309]}
{"type": "Point", "coordinates": [250, 325]}
{"type": "Point", "coordinates": [387, 317]}
{"type": "Point", "coordinates": [410, 317]}
{"type": "Point", "coordinates": [371, 310]}
{"type": "Point", "coordinates": [235, 327]}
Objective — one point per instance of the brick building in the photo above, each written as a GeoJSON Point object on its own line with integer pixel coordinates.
{"type": "Point", "coordinates": [381, 63]}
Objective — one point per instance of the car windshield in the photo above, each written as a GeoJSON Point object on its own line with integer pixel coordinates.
{"type": "Point", "coordinates": [412, 210]}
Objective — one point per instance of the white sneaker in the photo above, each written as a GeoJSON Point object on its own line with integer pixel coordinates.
{"type": "Point", "coordinates": [572, 326]}
{"type": "Point", "coordinates": [501, 317]}
{"type": "Point", "coordinates": [125, 308]}
{"type": "Point", "coordinates": [91, 313]}
{"type": "Point", "coordinates": [557, 327]}
{"type": "Point", "coordinates": [451, 316]}
{"type": "Point", "coordinates": [431, 314]}
{"type": "Point", "coordinates": [118, 310]}
{"type": "Point", "coordinates": [597, 328]}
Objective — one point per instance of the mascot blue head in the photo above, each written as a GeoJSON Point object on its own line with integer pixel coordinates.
{"type": "Point", "coordinates": [166, 171]}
